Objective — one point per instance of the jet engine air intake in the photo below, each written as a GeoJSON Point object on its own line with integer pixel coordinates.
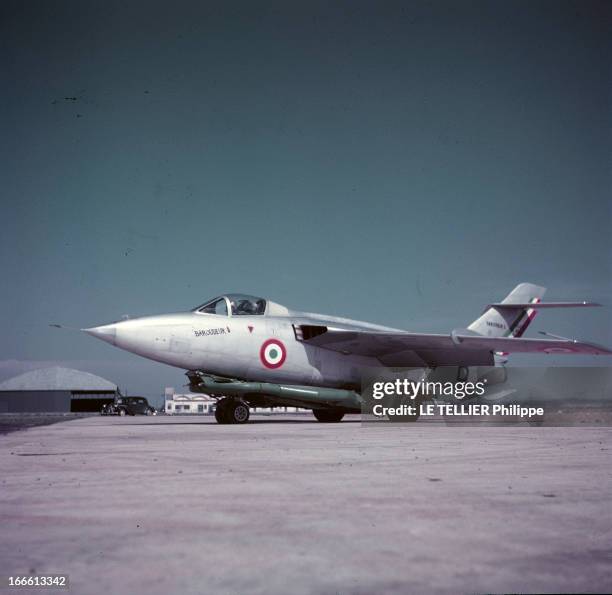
{"type": "Point", "coordinates": [304, 332]}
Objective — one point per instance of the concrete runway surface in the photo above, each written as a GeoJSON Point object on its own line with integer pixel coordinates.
{"type": "Point", "coordinates": [163, 505]}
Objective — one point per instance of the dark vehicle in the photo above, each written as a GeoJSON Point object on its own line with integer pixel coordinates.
{"type": "Point", "coordinates": [128, 406]}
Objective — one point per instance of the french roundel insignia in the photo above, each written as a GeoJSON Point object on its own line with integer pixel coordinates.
{"type": "Point", "coordinates": [272, 354]}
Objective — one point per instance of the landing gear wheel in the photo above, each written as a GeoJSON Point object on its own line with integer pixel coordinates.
{"type": "Point", "coordinates": [238, 412]}
{"type": "Point", "coordinates": [229, 411]}
{"type": "Point", "coordinates": [122, 412]}
{"type": "Point", "coordinates": [328, 415]}
{"type": "Point", "coordinates": [220, 412]}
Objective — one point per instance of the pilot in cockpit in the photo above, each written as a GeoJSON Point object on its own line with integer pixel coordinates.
{"type": "Point", "coordinates": [243, 307]}
{"type": "Point", "coordinates": [246, 306]}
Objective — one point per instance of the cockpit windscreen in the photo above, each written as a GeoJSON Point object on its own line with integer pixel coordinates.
{"type": "Point", "coordinates": [216, 306]}
{"type": "Point", "coordinates": [238, 304]}
{"type": "Point", "coordinates": [246, 305]}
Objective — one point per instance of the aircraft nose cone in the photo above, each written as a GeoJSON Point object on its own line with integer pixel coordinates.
{"type": "Point", "coordinates": [107, 332]}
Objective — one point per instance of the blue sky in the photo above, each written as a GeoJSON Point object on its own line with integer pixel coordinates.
{"type": "Point", "coordinates": [402, 164]}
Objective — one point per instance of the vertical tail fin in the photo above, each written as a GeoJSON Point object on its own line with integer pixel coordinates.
{"type": "Point", "coordinates": [510, 322]}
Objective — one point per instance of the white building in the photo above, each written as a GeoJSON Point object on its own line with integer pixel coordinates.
{"type": "Point", "coordinates": [201, 404]}
{"type": "Point", "coordinates": [187, 403]}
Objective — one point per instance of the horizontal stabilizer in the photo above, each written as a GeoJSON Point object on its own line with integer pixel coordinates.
{"type": "Point", "coordinates": [539, 305]}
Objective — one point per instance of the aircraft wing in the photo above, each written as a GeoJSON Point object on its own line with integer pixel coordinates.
{"type": "Point", "coordinates": [434, 349]}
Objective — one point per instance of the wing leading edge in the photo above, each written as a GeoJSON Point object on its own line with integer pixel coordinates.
{"type": "Point", "coordinates": [434, 349]}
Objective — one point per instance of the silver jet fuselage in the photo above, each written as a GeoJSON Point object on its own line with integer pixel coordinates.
{"type": "Point", "coordinates": [258, 347]}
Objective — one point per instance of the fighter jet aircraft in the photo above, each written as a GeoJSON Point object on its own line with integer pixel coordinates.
{"type": "Point", "coordinates": [251, 352]}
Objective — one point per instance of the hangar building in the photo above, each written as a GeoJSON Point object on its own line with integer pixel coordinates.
{"type": "Point", "coordinates": [55, 390]}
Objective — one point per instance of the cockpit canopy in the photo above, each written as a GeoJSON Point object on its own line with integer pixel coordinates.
{"type": "Point", "coordinates": [237, 304]}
